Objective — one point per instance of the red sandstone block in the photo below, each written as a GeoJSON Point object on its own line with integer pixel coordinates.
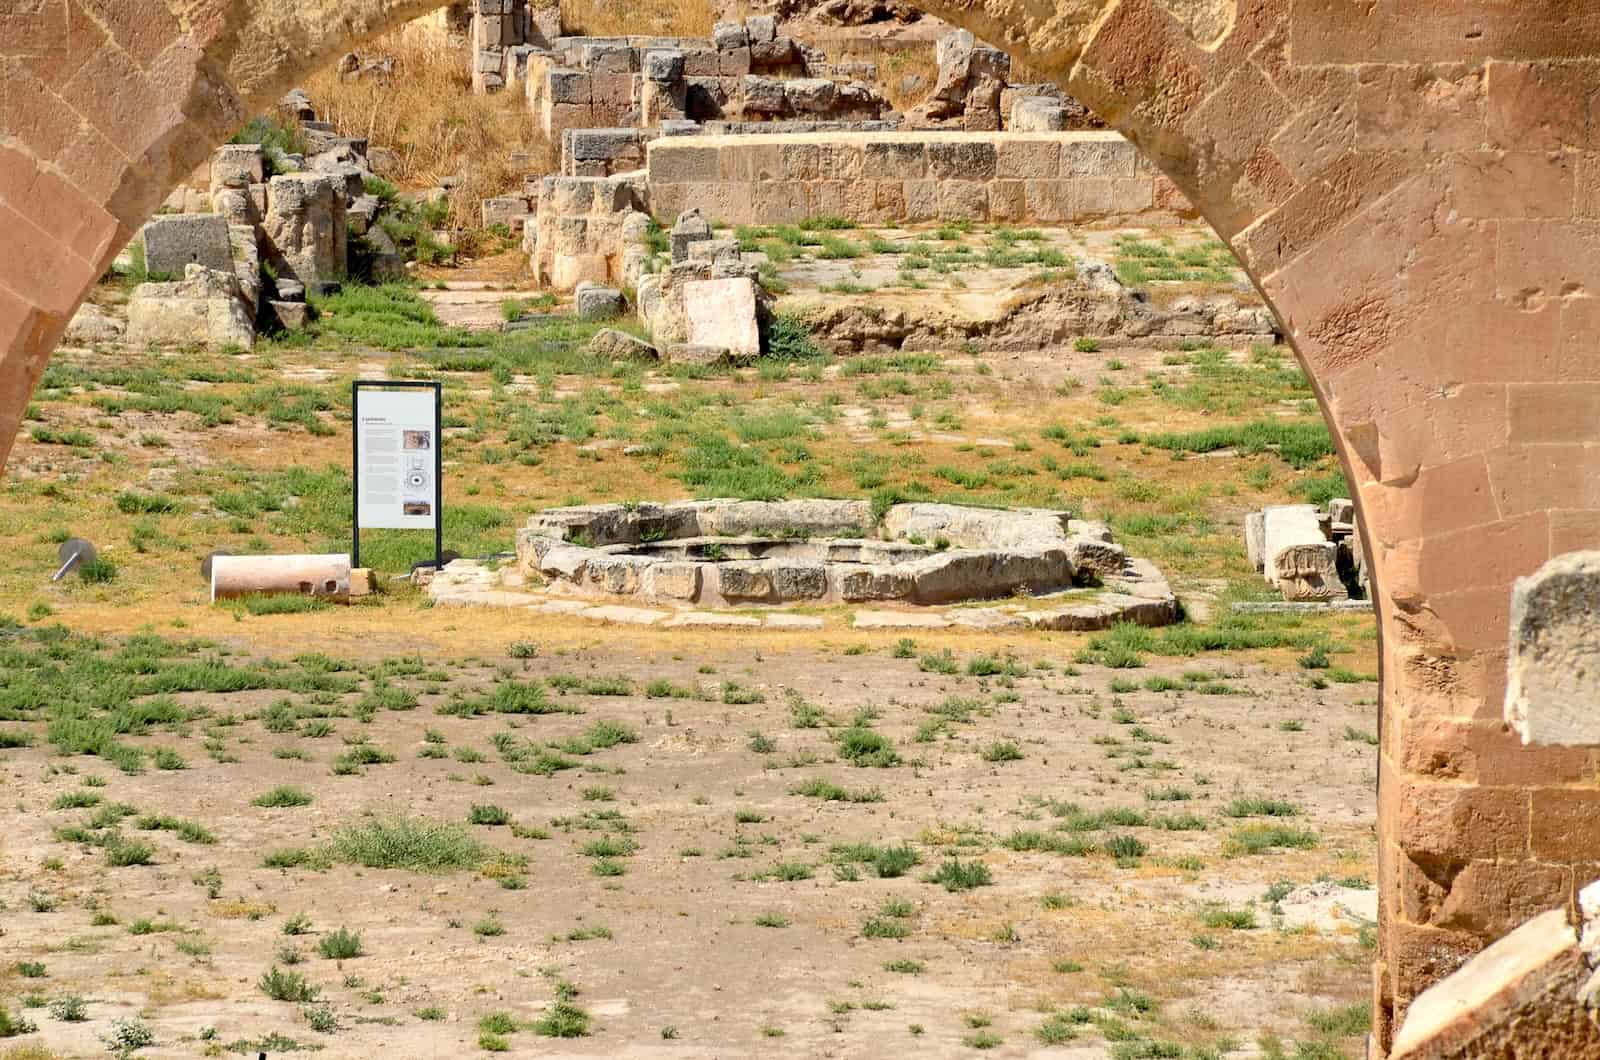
{"type": "Point", "coordinates": [1538, 106]}
{"type": "Point", "coordinates": [1323, 126]}
{"type": "Point", "coordinates": [1547, 259]}
{"type": "Point", "coordinates": [1419, 956]}
{"type": "Point", "coordinates": [1490, 898]}
{"type": "Point", "coordinates": [1240, 116]}
{"type": "Point", "coordinates": [55, 206]}
{"type": "Point", "coordinates": [1436, 748]}
{"type": "Point", "coordinates": [131, 109]}
{"type": "Point", "coordinates": [1566, 824]}
{"type": "Point", "coordinates": [1426, 109]}
{"type": "Point", "coordinates": [1545, 413]}
{"type": "Point", "coordinates": [1436, 500]}
{"type": "Point", "coordinates": [1501, 552]}
{"type": "Point", "coordinates": [1516, 184]}
{"type": "Point", "coordinates": [1476, 621]}
{"type": "Point", "coordinates": [1322, 204]}
{"type": "Point", "coordinates": [1141, 59]}
{"type": "Point", "coordinates": [1574, 530]}
{"type": "Point", "coordinates": [1432, 819]}
{"type": "Point", "coordinates": [1503, 760]}
{"type": "Point", "coordinates": [56, 38]}
{"type": "Point", "coordinates": [31, 113]}
{"type": "Point", "coordinates": [1530, 478]}
{"type": "Point", "coordinates": [141, 30]}
{"type": "Point", "coordinates": [41, 269]}
{"type": "Point", "coordinates": [1415, 31]}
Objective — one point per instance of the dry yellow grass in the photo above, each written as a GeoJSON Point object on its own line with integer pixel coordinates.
{"type": "Point", "coordinates": [652, 18]}
{"type": "Point", "coordinates": [428, 115]}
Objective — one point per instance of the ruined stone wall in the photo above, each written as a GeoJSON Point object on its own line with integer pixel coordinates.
{"type": "Point", "coordinates": [1414, 186]}
{"type": "Point", "coordinates": [909, 176]}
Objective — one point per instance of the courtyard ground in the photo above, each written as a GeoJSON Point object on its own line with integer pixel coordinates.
{"type": "Point", "coordinates": [452, 831]}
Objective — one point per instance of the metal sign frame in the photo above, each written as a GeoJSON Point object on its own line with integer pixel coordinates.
{"type": "Point", "coordinates": [356, 387]}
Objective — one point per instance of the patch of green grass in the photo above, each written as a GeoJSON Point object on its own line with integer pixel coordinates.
{"type": "Point", "coordinates": [818, 788]}
{"type": "Point", "coordinates": [1260, 806]}
{"type": "Point", "coordinates": [340, 945]}
{"type": "Point", "coordinates": [283, 796]}
{"type": "Point", "coordinates": [412, 843]}
{"type": "Point", "coordinates": [1260, 838]}
{"type": "Point", "coordinates": [957, 875]}
{"type": "Point", "coordinates": [287, 986]}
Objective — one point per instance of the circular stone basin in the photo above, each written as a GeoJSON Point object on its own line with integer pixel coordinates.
{"type": "Point", "coordinates": [726, 553]}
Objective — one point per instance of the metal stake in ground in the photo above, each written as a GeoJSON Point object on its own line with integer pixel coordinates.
{"type": "Point", "coordinates": [74, 553]}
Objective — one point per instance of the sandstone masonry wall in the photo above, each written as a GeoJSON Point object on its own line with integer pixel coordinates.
{"type": "Point", "coordinates": [909, 176]}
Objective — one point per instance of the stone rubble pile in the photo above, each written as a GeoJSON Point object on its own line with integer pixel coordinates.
{"type": "Point", "coordinates": [1308, 555]}
{"type": "Point", "coordinates": [273, 231]}
{"type": "Point", "coordinates": [707, 305]}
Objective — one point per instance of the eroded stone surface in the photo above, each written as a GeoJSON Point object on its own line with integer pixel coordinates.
{"type": "Point", "coordinates": [1553, 691]}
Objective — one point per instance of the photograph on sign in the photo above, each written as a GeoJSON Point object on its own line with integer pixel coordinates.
{"type": "Point", "coordinates": [396, 432]}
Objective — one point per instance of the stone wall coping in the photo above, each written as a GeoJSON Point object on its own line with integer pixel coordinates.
{"type": "Point", "coordinates": [900, 136]}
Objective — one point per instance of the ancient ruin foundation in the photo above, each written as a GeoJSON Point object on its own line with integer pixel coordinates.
{"type": "Point", "coordinates": [1058, 573]}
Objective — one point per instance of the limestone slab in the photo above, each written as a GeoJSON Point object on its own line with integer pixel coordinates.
{"type": "Point", "coordinates": [722, 313]}
{"type": "Point", "coordinates": [898, 620]}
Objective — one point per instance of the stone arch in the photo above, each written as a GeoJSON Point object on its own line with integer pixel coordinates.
{"type": "Point", "coordinates": [1415, 189]}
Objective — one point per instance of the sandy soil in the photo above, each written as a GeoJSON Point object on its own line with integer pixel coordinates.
{"type": "Point", "coordinates": [684, 951]}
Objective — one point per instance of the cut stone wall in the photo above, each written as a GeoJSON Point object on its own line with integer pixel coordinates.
{"type": "Point", "coordinates": [909, 176]}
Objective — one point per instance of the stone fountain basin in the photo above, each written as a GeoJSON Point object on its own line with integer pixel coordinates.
{"type": "Point", "coordinates": [726, 553]}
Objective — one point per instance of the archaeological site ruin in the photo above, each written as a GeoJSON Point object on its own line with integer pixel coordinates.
{"type": "Point", "coordinates": [927, 528]}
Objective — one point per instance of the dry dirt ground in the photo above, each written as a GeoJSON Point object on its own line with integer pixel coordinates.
{"type": "Point", "coordinates": [736, 922]}
{"type": "Point", "coordinates": [1131, 845]}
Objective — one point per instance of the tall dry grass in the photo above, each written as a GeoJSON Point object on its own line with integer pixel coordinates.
{"type": "Point", "coordinates": [641, 18]}
{"type": "Point", "coordinates": [426, 114]}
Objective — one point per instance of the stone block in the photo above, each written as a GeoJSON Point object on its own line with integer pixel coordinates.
{"type": "Point", "coordinates": [689, 229]}
{"type": "Point", "coordinates": [1027, 158]}
{"type": "Point", "coordinates": [733, 63]}
{"type": "Point", "coordinates": [683, 162]}
{"type": "Point", "coordinates": [809, 95]}
{"type": "Point", "coordinates": [1111, 157]}
{"type": "Point", "coordinates": [176, 241]}
{"type": "Point", "coordinates": [961, 159]}
{"type": "Point", "coordinates": [921, 200]}
{"type": "Point", "coordinates": [1254, 541]}
{"type": "Point", "coordinates": [237, 166]}
{"type": "Point", "coordinates": [744, 581]}
{"type": "Point", "coordinates": [1297, 556]}
{"type": "Point", "coordinates": [728, 36]}
{"type": "Point", "coordinates": [568, 86]}
{"type": "Point", "coordinates": [672, 581]}
{"type": "Point", "coordinates": [290, 316]}
{"type": "Point", "coordinates": [1049, 201]}
{"type": "Point", "coordinates": [620, 346]}
{"type": "Point", "coordinates": [1007, 200]}
{"type": "Point", "coordinates": [594, 302]}
{"type": "Point", "coordinates": [763, 95]}
{"type": "Point", "coordinates": [776, 53]}
{"type": "Point", "coordinates": [701, 61]}
{"type": "Point", "coordinates": [1092, 197]}
{"type": "Point", "coordinates": [202, 309]}
{"type": "Point", "coordinates": [894, 159]}
{"type": "Point", "coordinates": [887, 582]}
{"type": "Point", "coordinates": [1038, 114]}
{"type": "Point", "coordinates": [963, 200]}
{"type": "Point", "coordinates": [722, 313]}
{"type": "Point", "coordinates": [761, 29]}
{"type": "Point", "coordinates": [1553, 689]}
{"type": "Point", "coordinates": [664, 65]}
